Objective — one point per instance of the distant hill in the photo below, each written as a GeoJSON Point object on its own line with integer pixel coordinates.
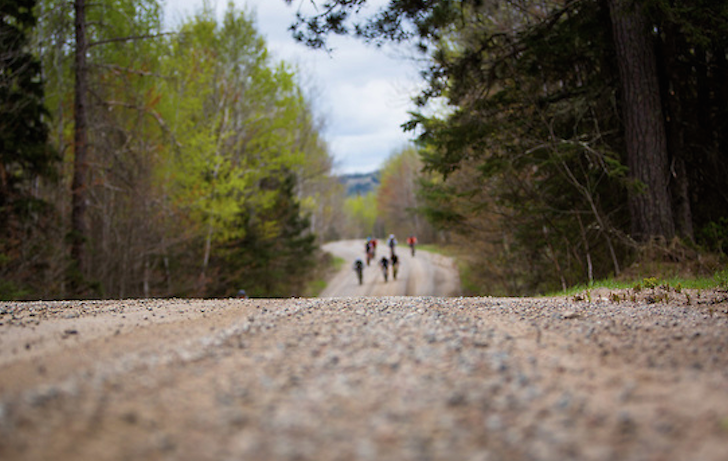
{"type": "Point", "coordinates": [360, 183]}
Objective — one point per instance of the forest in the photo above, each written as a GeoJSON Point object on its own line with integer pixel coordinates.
{"type": "Point", "coordinates": [140, 163]}
{"type": "Point", "coordinates": [581, 140]}
{"type": "Point", "coordinates": [558, 142]}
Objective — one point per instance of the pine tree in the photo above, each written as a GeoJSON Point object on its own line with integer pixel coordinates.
{"type": "Point", "coordinates": [25, 155]}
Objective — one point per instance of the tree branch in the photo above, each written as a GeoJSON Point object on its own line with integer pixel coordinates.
{"type": "Point", "coordinates": [131, 71]}
{"type": "Point", "coordinates": [130, 38]}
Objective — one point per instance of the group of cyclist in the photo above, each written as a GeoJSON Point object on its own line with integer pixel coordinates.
{"type": "Point", "coordinates": [384, 263]}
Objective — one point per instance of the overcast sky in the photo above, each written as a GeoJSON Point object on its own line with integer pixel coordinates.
{"type": "Point", "coordinates": [362, 93]}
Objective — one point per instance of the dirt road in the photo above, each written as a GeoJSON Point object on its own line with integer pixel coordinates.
{"type": "Point", "coordinates": [425, 274]}
{"type": "Point", "coordinates": [367, 378]}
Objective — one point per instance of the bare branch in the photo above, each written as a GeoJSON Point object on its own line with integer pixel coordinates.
{"type": "Point", "coordinates": [131, 71]}
{"type": "Point", "coordinates": [129, 38]}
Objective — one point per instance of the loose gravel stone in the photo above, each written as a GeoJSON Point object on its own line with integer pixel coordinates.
{"type": "Point", "coordinates": [400, 378]}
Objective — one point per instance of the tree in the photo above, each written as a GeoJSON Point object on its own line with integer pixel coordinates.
{"type": "Point", "coordinates": [24, 130]}
{"type": "Point", "coordinates": [98, 78]}
{"type": "Point", "coordinates": [276, 251]}
{"type": "Point", "coordinates": [79, 186]}
{"type": "Point", "coordinates": [692, 45]}
{"type": "Point", "coordinates": [361, 216]}
{"type": "Point", "coordinates": [23, 127]}
{"type": "Point", "coordinates": [110, 74]}
{"type": "Point", "coordinates": [397, 201]}
{"type": "Point", "coordinates": [25, 154]}
{"type": "Point", "coordinates": [644, 123]}
{"type": "Point", "coordinates": [182, 129]}
{"type": "Point", "coordinates": [536, 137]}
{"type": "Point", "coordinates": [239, 120]}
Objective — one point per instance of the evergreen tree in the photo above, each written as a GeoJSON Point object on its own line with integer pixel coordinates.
{"type": "Point", "coordinates": [644, 122]}
{"type": "Point", "coordinates": [276, 253]}
{"type": "Point", "coordinates": [25, 155]}
{"type": "Point", "coordinates": [24, 150]}
{"type": "Point", "coordinates": [551, 130]}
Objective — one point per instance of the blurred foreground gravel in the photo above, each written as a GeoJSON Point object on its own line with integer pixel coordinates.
{"type": "Point", "coordinates": [399, 378]}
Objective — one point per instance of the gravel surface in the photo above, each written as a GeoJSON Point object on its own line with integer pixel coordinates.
{"type": "Point", "coordinates": [387, 378]}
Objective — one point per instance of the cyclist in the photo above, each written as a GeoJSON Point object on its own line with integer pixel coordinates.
{"type": "Point", "coordinates": [412, 241]}
{"type": "Point", "coordinates": [369, 250]}
{"type": "Point", "coordinates": [395, 266]}
{"type": "Point", "coordinates": [384, 263]}
{"type": "Point", "coordinates": [392, 242]}
{"type": "Point", "coordinates": [359, 268]}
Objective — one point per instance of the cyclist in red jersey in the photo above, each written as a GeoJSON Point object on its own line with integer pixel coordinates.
{"type": "Point", "coordinates": [412, 241]}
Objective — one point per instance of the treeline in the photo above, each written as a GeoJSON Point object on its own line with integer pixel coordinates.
{"type": "Point", "coordinates": [199, 169]}
{"type": "Point", "coordinates": [581, 137]}
{"type": "Point", "coordinates": [395, 205]}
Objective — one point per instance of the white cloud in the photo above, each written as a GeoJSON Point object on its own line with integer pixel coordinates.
{"type": "Point", "coordinates": [362, 92]}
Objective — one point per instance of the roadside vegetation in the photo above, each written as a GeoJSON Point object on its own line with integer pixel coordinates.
{"type": "Point", "coordinates": [719, 280]}
{"type": "Point", "coordinates": [328, 266]}
{"type": "Point", "coordinates": [535, 165]}
{"type": "Point", "coordinates": [171, 163]}
{"type": "Point", "coordinates": [140, 162]}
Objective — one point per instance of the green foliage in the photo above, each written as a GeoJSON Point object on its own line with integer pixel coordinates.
{"type": "Point", "coordinates": [25, 153]}
{"type": "Point", "coordinates": [714, 235]}
{"type": "Point", "coordinates": [650, 282]}
{"type": "Point", "coordinates": [338, 263]}
{"type": "Point", "coordinates": [532, 150]}
{"type": "Point", "coordinates": [519, 157]}
{"type": "Point", "coordinates": [721, 279]}
{"type": "Point", "coordinates": [10, 291]}
{"type": "Point", "coordinates": [398, 201]}
{"type": "Point", "coordinates": [242, 126]}
{"type": "Point", "coordinates": [201, 147]}
{"type": "Point", "coordinates": [675, 285]}
{"type": "Point", "coordinates": [276, 253]}
{"type": "Point", "coordinates": [439, 204]}
{"type": "Point", "coordinates": [237, 122]}
{"type": "Point", "coordinates": [27, 160]}
{"type": "Point", "coordinates": [361, 213]}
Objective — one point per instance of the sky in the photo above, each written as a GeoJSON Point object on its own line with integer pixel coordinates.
{"type": "Point", "coordinates": [362, 94]}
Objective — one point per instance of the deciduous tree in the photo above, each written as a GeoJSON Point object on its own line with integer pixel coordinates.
{"type": "Point", "coordinates": [397, 199]}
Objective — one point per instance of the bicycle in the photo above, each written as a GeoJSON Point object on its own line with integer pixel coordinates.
{"type": "Point", "coordinates": [359, 268]}
{"type": "Point", "coordinates": [384, 264]}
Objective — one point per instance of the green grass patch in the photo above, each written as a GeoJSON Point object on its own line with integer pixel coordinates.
{"type": "Point", "coordinates": [337, 263]}
{"type": "Point", "coordinates": [719, 280]}
{"type": "Point", "coordinates": [431, 248]}
{"type": "Point", "coordinates": [315, 287]}
{"type": "Point", "coordinates": [327, 266]}
{"type": "Point", "coordinates": [468, 282]}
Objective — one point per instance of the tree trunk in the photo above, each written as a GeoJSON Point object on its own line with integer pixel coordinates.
{"type": "Point", "coordinates": [79, 227]}
{"type": "Point", "coordinates": [646, 142]}
{"type": "Point", "coordinates": [675, 91]}
{"type": "Point", "coordinates": [681, 200]}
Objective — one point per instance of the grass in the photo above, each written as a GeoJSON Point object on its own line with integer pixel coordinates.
{"type": "Point", "coordinates": [719, 280]}
{"type": "Point", "coordinates": [467, 283]}
{"type": "Point", "coordinates": [432, 248]}
{"type": "Point", "coordinates": [337, 264]}
{"type": "Point", "coordinates": [317, 285]}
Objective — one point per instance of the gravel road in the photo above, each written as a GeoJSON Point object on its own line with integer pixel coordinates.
{"type": "Point", "coordinates": [366, 378]}
{"type": "Point", "coordinates": [425, 274]}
